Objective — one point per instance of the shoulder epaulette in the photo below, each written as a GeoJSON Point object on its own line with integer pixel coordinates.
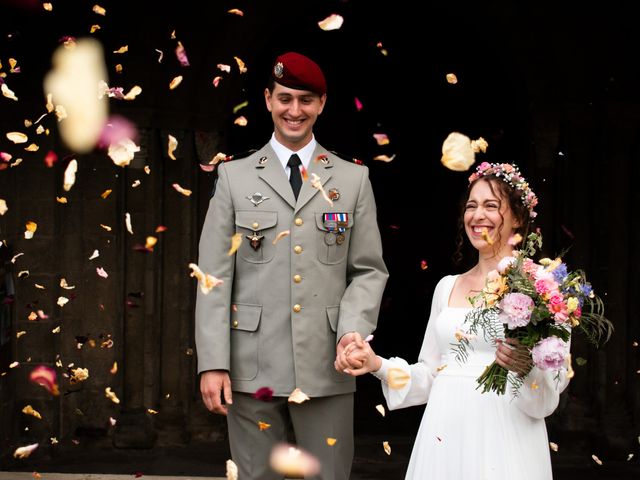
{"type": "Point", "coordinates": [348, 158]}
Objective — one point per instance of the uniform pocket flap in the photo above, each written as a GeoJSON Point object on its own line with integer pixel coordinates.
{"type": "Point", "coordinates": [256, 221]}
{"type": "Point", "coordinates": [246, 317]}
{"type": "Point", "coordinates": [330, 225]}
{"type": "Point", "coordinates": [332, 316]}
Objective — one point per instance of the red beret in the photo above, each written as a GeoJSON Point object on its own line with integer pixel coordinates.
{"type": "Point", "coordinates": [296, 71]}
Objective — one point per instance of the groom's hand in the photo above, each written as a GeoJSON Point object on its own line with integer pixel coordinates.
{"type": "Point", "coordinates": [342, 357]}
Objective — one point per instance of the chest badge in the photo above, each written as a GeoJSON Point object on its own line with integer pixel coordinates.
{"type": "Point", "coordinates": [333, 194]}
{"type": "Point", "coordinates": [256, 198]}
{"type": "Point", "coordinates": [255, 240]}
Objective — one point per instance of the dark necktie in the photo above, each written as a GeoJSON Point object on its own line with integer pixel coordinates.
{"type": "Point", "coordinates": [295, 179]}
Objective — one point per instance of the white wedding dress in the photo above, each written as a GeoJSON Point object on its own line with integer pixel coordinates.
{"type": "Point", "coordinates": [466, 434]}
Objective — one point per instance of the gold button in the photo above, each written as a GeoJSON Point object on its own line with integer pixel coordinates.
{"type": "Point", "coordinates": [297, 249]}
{"type": "Point", "coordinates": [235, 323]}
{"type": "Point", "coordinates": [255, 225]}
{"type": "Point", "coordinates": [298, 221]}
{"type": "Point", "coordinates": [297, 278]}
{"type": "Point", "coordinates": [297, 308]}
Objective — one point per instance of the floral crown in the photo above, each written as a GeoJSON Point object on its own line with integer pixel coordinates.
{"type": "Point", "coordinates": [511, 175]}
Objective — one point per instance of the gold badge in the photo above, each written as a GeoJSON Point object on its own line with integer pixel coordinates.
{"type": "Point", "coordinates": [278, 70]}
{"type": "Point", "coordinates": [333, 194]}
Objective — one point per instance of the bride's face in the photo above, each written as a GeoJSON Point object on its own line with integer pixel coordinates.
{"type": "Point", "coordinates": [488, 219]}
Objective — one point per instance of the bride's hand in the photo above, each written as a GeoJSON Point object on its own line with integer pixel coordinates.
{"type": "Point", "coordinates": [513, 356]}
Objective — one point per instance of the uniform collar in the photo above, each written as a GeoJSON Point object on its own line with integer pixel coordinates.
{"type": "Point", "coordinates": [283, 153]}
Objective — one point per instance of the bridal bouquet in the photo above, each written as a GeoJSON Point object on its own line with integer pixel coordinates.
{"type": "Point", "coordinates": [539, 304]}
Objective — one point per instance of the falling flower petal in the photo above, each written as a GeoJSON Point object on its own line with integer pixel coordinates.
{"type": "Point", "coordinates": [127, 222]}
{"type": "Point", "coordinates": [123, 49]}
{"type": "Point", "coordinates": [380, 409]}
{"type": "Point", "coordinates": [94, 28]}
{"type": "Point", "coordinates": [32, 148]}
{"type": "Point", "coordinates": [240, 106]}
{"type": "Point", "coordinates": [20, 333]}
{"type": "Point", "coordinates": [397, 378]}
{"type": "Point", "coordinates": [175, 82]}
{"type": "Point", "coordinates": [263, 426]}
{"type": "Point", "coordinates": [332, 22]}
{"type": "Point", "coordinates": [106, 193]}
{"type": "Point", "coordinates": [114, 368]}
{"type": "Point", "coordinates": [216, 81]}
{"type": "Point", "coordinates": [241, 65]}
{"type": "Point", "coordinates": [232, 470]}
{"type": "Point", "coordinates": [62, 301]}
{"type": "Point", "coordinates": [3, 206]}
{"type": "Point", "coordinates": [24, 452]}
{"type": "Point", "coordinates": [79, 375]}
{"type": "Point", "coordinates": [181, 54]}
{"type": "Point", "coordinates": [486, 237]}
{"type": "Point", "coordinates": [264, 394]}
{"type": "Point", "coordinates": [206, 281]}
{"type": "Point", "coordinates": [45, 377]}
{"type": "Point", "coordinates": [241, 121]}
{"type": "Point", "coordinates": [102, 272]}
{"type": "Point", "coordinates": [236, 11]}
{"type": "Point", "coordinates": [31, 229]}
{"type": "Point", "coordinates": [514, 239]}
{"type": "Point", "coordinates": [451, 78]}
{"type": "Point", "coordinates": [111, 395]}
{"type": "Point", "coordinates": [73, 83]}
{"type": "Point", "coordinates": [381, 138]}
{"type": "Point", "coordinates": [152, 411]}
{"type": "Point", "coordinates": [596, 459]}
{"type": "Point", "coordinates": [385, 158]}
{"type": "Point", "coordinates": [423, 265]}
{"type": "Point", "coordinates": [123, 151]}
{"type": "Point", "coordinates": [95, 254]}
{"type": "Point", "coordinates": [133, 93]}
{"type": "Point", "coordinates": [293, 462]}
{"type": "Point", "coordinates": [173, 144]}
{"type": "Point", "coordinates": [317, 184]}
{"type": "Point", "coordinates": [29, 410]}
{"type": "Point", "coordinates": [65, 285]}
{"type": "Point", "coordinates": [17, 137]}
{"type": "Point", "coordinates": [224, 68]}
{"type": "Point", "coordinates": [387, 448]}
{"type": "Point", "coordinates": [70, 175]}
{"type": "Point", "coordinates": [181, 190]}
{"type": "Point", "coordinates": [135, 184]}
{"type": "Point", "coordinates": [106, 227]}
{"type": "Point", "coordinates": [458, 151]}
{"type": "Point", "coordinates": [280, 236]}
{"type": "Point", "coordinates": [298, 396]}
{"type": "Point", "coordinates": [6, 91]}
{"type": "Point", "coordinates": [553, 446]}
{"type": "Point", "coordinates": [236, 240]}
{"type": "Point", "coordinates": [358, 104]}
{"type": "Point", "coordinates": [331, 441]}
{"type": "Point", "coordinates": [62, 200]}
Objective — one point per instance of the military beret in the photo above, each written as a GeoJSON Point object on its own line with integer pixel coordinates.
{"type": "Point", "coordinates": [296, 71]}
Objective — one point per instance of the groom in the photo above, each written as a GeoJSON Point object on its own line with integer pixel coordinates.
{"type": "Point", "coordinates": [306, 281]}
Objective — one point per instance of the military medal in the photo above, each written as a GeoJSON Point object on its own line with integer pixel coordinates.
{"type": "Point", "coordinates": [330, 238]}
{"type": "Point", "coordinates": [333, 194]}
{"type": "Point", "coordinates": [336, 224]}
{"type": "Point", "coordinates": [255, 240]}
{"type": "Point", "coordinates": [256, 198]}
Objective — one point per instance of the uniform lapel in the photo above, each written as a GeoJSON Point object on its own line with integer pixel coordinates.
{"type": "Point", "coordinates": [271, 171]}
{"type": "Point", "coordinates": [321, 165]}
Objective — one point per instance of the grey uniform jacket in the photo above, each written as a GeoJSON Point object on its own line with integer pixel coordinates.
{"type": "Point", "coordinates": [276, 319]}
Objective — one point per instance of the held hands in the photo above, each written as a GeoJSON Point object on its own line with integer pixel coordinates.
{"type": "Point", "coordinates": [214, 384]}
{"type": "Point", "coordinates": [357, 358]}
{"type": "Point", "coordinates": [513, 356]}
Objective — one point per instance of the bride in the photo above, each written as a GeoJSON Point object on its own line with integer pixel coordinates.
{"type": "Point", "coordinates": [466, 434]}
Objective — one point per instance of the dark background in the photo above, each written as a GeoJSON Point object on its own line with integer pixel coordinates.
{"type": "Point", "coordinates": [552, 86]}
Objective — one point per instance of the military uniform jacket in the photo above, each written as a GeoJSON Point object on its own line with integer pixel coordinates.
{"type": "Point", "coordinates": [276, 319]}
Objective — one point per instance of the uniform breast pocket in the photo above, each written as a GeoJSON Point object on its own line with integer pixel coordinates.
{"type": "Point", "coordinates": [334, 230]}
{"type": "Point", "coordinates": [258, 232]}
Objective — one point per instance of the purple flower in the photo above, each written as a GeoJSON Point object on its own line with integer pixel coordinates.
{"type": "Point", "coordinates": [560, 272]}
{"type": "Point", "coordinates": [516, 310]}
{"type": "Point", "coordinates": [549, 353]}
